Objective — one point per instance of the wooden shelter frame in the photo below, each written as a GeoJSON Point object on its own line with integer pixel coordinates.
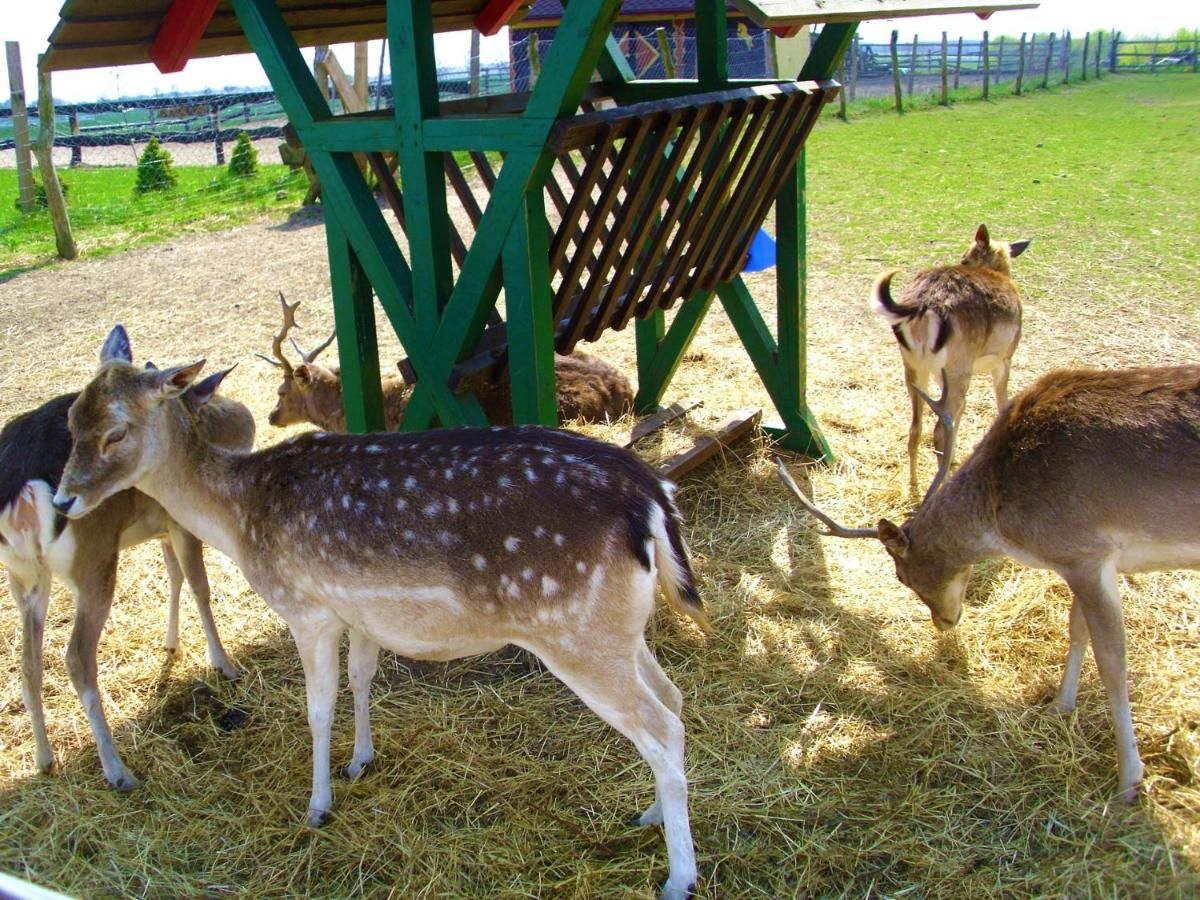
{"type": "Point", "coordinates": [439, 320]}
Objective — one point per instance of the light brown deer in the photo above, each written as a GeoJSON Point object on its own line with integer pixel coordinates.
{"type": "Point", "coordinates": [36, 546]}
{"type": "Point", "coordinates": [434, 545]}
{"type": "Point", "coordinates": [589, 389]}
{"type": "Point", "coordinates": [955, 320]}
{"type": "Point", "coordinates": [1088, 473]}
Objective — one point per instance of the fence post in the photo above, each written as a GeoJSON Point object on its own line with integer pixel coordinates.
{"type": "Point", "coordinates": [362, 76]}
{"type": "Point", "coordinates": [664, 50]}
{"type": "Point", "coordinates": [1067, 58]}
{"type": "Point", "coordinates": [1020, 66]}
{"type": "Point", "coordinates": [958, 62]}
{"type": "Point", "coordinates": [854, 67]}
{"type": "Point", "coordinates": [1112, 51]}
{"type": "Point", "coordinates": [1032, 50]}
{"type": "Point", "coordinates": [1099, 49]}
{"type": "Point", "coordinates": [1087, 37]}
{"type": "Point", "coordinates": [987, 64]}
{"type": "Point", "coordinates": [76, 150]}
{"type": "Point", "coordinates": [20, 116]}
{"type": "Point", "coordinates": [945, 70]}
{"type": "Point", "coordinates": [841, 94]}
{"type": "Point", "coordinates": [1049, 57]}
{"type": "Point", "coordinates": [1195, 50]}
{"type": "Point", "coordinates": [1000, 60]}
{"type": "Point", "coordinates": [896, 72]}
{"type": "Point", "coordinates": [912, 66]}
{"type": "Point", "coordinates": [535, 59]}
{"type": "Point", "coordinates": [214, 121]}
{"type": "Point", "coordinates": [43, 148]}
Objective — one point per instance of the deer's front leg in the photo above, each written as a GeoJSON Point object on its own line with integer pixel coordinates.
{"type": "Point", "coordinates": [32, 600]}
{"type": "Point", "coordinates": [190, 553]}
{"type": "Point", "coordinates": [1096, 591]}
{"type": "Point", "coordinates": [362, 664]}
{"type": "Point", "coordinates": [317, 642]}
{"type": "Point", "coordinates": [93, 600]}
{"type": "Point", "coordinates": [912, 381]}
{"type": "Point", "coordinates": [1065, 701]}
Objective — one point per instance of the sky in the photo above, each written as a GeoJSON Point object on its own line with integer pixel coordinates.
{"type": "Point", "coordinates": [30, 24]}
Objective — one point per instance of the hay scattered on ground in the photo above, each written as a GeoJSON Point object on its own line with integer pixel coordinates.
{"type": "Point", "coordinates": [836, 745]}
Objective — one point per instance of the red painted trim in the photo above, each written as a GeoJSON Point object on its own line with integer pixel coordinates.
{"type": "Point", "coordinates": [786, 31]}
{"type": "Point", "coordinates": [493, 16]}
{"type": "Point", "coordinates": [180, 32]}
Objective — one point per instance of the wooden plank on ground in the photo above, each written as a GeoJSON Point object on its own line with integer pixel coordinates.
{"type": "Point", "coordinates": [738, 424]}
{"type": "Point", "coordinates": [653, 423]}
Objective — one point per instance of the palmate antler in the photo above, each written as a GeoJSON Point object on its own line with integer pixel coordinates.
{"type": "Point", "coordinates": [289, 322]}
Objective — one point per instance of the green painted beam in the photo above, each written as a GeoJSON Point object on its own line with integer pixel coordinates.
{"type": "Point", "coordinates": [499, 133]}
{"type": "Point", "coordinates": [712, 45]}
{"type": "Point", "coordinates": [659, 354]}
{"type": "Point", "coordinates": [528, 302]}
{"type": "Point", "coordinates": [356, 136]}
{"type": "Point", "coordinates": [358, 348]}
{"type": "Point", "coordinates": [828, 52]}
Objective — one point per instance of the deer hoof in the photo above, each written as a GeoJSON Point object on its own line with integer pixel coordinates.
{"type": "Point", "coordinates": [318, 817]}
{"type": "Point", "coordinates": [125, 783]}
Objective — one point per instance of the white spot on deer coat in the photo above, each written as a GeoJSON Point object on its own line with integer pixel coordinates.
{"type": "Point", "coordinates": [345, 501]}
{"type": "Point", "coordinates": [512, 544]}
{"type": "Point", "coordinates": [479, 562]}
{"type": "Point", "coordinates": [432, 508]}
{"type": "Point", "coordinates": [549, 586]}
{"type": "Point", "coordinates": [410, 483]}
{"type": "Point", "coordinates": [452, 506]}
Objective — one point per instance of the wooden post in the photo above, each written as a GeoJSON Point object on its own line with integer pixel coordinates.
{"type": "Point", "coordinates": [1066, 58]}
{"type": "Point", "coordinates": [474, 83]}
{"type": "Point", "coordinates": [854, 67]}
{"type": "Point", "coordinates": [945, 70]}
{"type": "Point", "coordinates": [1020, 66]}
{"type": "Point", "coordinates": [1113, 46]}
{"type": "Point", "coordinates": [896, 72]}
{"type": "Point", "coordinates": [56, 203]}
{"type": "Point", "coordinates": [1099, 46]}
{"type": "Point", "coordinates": [214, 121]}
{"type": "Point", "coordinates": [26, 196]}
{"type": "Point", "coordinates": [842, 93]}
{"type": "Point", "coordinates": [958, 62]}
{"type": "Point", "coordinates": [1049, 57]}
{"type": "Point", "coordinates": [987, 64]}
{"type": "Point", "coordinates": [1087, 39]}
{"type": "Point", "coordinates": [362, 79]}
{"type": "Point", "coordinates": [76, 150]}
{"type": "Point", "coordinates": [912, 66]}
{"type": "Point", "coordinates": [664, 50]}
{"type": "Point", "coordinates": [1000, 60]}
{"type": "Point", "coordinates": [1154, 57]}
{"type": "Point", "coordinates": [535, 60]}
{"type": "Point", "coordinates": [1195, 50]}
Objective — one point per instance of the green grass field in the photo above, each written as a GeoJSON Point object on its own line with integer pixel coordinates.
{"type": "Point", "coordinates": [107, 216]}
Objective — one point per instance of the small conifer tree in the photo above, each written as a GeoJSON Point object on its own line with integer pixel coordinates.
{"type": "Point", "coordinates": [155, 170]}
{"type": "Point", "coordinates": [244, 161]}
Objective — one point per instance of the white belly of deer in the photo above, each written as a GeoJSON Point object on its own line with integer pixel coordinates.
{"type": "Point", "coordinates": [1134, 553]}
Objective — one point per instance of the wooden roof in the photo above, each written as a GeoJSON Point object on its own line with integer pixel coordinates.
{"type": "Point", "coordinates": [92, 33]}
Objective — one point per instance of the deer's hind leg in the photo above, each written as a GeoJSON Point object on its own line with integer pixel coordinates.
{"type": "Point", "coordinates": [32, 600]}
{"type": "Point", "coordinates": [617, 681]}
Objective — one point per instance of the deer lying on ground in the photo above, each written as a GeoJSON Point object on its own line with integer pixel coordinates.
{"type": "Point", "coordinates": [589, 389]}
{"type": "Point", "coordinates": [36, 545]}
{"type": "Point", "coordinates": [956, 320]}
{"type": "Point", "coordinates": [1087, 473]}
{"type": "Point", "coordinates": [435, 545]}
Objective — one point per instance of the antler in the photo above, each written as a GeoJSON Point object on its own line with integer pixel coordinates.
{"type": "Point", "coordinates": [289, 322]}
{"type": "Point", "coordinates": [835, 530]}
{"type": "Point", "coordinates": [311, 355]}
{"type": "Point", "coordinates": [940, 410]}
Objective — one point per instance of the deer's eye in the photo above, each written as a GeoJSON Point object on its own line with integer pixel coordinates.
{"type": "Point", "coordinates": [114, 437]}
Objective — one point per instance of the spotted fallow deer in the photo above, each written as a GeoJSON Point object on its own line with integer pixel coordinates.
{"type": "Point", "coordinates": [955, 320]}
{"type": "Point", "coordinates": [434, 545]}
{"type": "Point", "coordinates": [1086, 472]}
{"type": "Point", "coordinates": [589, 389]}
{"type": "Point", "coordinates": [36, 545]}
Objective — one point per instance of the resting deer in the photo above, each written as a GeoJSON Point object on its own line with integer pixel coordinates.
{"type": "Point", "coordinates": [1088, 473]}
{"type": "Point", "coordinates": [589, 389]}
{"type": "Point", "coordinates": [435, 545]}
{"type": "Point", "coordinates": [36, 545]}
{"type": "Point", "coordinates": [956, 320]}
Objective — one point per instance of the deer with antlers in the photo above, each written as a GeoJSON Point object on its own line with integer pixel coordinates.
{"type": "Point", "coordinates": [589, 389]}
{"type": "Point", "coordinates": [956, 320]}
{"type": "Point", "coordinates": [1089, 473]}
{"type": "Point", "coordinates": [434, 545]}
{"type": "Point", "coordinates": [36, 545]}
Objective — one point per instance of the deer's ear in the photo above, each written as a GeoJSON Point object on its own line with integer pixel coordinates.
{"type": "Point", "coordinates": [202, 391]}
{"type": "Point", "coordinates": [982, 237]}
{"type": "Point", "coordinates": [893, 538]}
{"type": "Point", "coordinates": [174, 381]}
{"type": "Point", "coordinates": [303, 373]}
{"type": "Point", "coordinates": [1016, 248]}
{"type": "Point", "coordinates": [116, 346]}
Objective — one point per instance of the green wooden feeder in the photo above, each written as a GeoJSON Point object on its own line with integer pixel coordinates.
{"type": "Point", "coordinates": [657, 188]}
